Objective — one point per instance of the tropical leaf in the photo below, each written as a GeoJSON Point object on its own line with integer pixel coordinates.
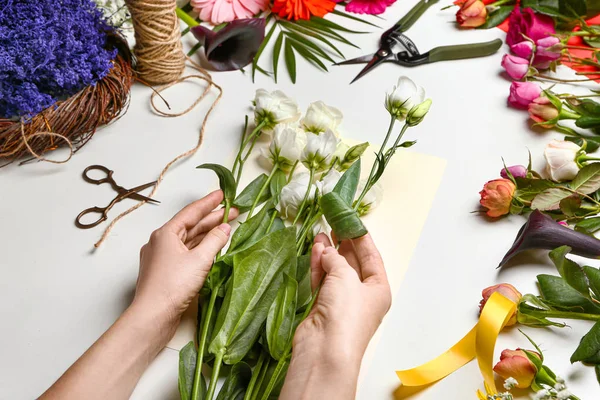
{"type": "Point", "coordinates": [352, 17]}
{"type": "Point", "coordinates": [309, 44]}
{"type": "Point", "coordinates": [290, 60]}
{"type": "Point", "coordinates": [325, 31]}
{"type": "Point", "coordinates": [315, 35]}
{"type": "Point", "coordinates": [330, 24]}
{"type": "Point", "coordinates": [307, 55]}
{"type": "Point", "coordinates": [261, 49]}
{"type": "Point", "coordinates": [276, 52]}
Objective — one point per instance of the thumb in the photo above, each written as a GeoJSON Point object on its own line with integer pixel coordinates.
{"type": "Point", "coordinates": [214, 241]}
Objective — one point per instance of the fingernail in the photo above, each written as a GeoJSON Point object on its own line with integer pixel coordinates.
{"type": "Point", "coordinates": [226, 228]}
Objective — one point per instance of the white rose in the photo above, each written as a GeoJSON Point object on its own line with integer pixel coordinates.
{"type": "Point", "coordinates": [372, 198]}
{"type": "Point", "coordinates": [404, 97]}
{"type": "Point", "coordinates": [273, 108]}
{"type": "Point", "coordinates": [328, 182]}
{"type": "Point", "coordinates": [560, 159]}
{"type": "Point", "coordinates": [293, 193]}
{"type": "Point", "coordinates": [319, 149]}
{"type": "Point", "coordinates": [320, 117]}
{"type": "Point", "coordinates": [287, 145]}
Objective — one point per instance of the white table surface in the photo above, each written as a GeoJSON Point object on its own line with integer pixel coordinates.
{"type": "Point", "coordinates": [57, 296]}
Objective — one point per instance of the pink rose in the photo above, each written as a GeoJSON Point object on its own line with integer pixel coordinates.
{"type": "Point", "coordinates": [518, 171]}
{"type": "Point", "coordinates": [497, 196]}
{"type": "Point", "coordinates": [517, 365]}
{"type": "Point", "coordinates": [505, 289]}
{"type": "Point", "coordinates": [472, 14]}
{"type": "Point", "coordinates": [541, 110]}
{"type": "Point", "coordinates": [523, 93]}
{"type": "Point", "coordinates": [516, 67]}
{"type": "Point", "coordinates": [527, 22]}
{"type": "Point", "coordinates": [523, 49]}
{"type": "Point", "coordinates": [547, 50]}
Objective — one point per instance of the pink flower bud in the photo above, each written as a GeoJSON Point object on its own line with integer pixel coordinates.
{"type": "Point", "coordinates": [515, 364]}
{"type": "Point", "coordinates": [517, 171]}
{"type": "Point", "coordinates": [497, 196]}
{"type": "Point", "coordinates": [472, 14]}
{"type": "Point", "coordinates": [516, 67]}
{"type": "Point", "coordinates": [523, 93]}
{"type": "Point", "coordinates": [547, 50]}
{"type": "Point", "coordinates": [541, 110]}
{"type": "Point", "coordinates": [505, 289]}
{"type": "Point", "coordinates": [523, 49]}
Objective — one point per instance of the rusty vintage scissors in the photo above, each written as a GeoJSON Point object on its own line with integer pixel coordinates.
{"type": "Point", "coordinates": [409, 56]}
{"type": "Point", "coordinates": [122, 193]}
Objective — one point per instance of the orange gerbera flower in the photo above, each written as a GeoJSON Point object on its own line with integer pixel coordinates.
{"type": "Point", "coordinates": [302, 9]}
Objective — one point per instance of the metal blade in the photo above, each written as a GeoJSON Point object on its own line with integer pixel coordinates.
{"type": "Point", "coordinates": [375, 61]}
{"type": "Point", "coordinates": [357, 60]}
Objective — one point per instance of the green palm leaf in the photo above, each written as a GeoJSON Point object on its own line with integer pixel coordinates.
{"type": "Point", "coordinates": [307, 32]}
{"type": "Point", "coordinates": [290, 60]}
{"type": "Point", "coordinates": [307, 54]}
{"type": "Point", "coordinates": [261, 49]}
{"type": "Point", "coordinates": [308, 43]}
{"type": "Point", "coordinates": [325, 31]}
{"type": "Point", "coordinates": [332, 25]}
{"type": "Point", "coordinates": [352, 17]}
{"type": "Point", "coordinates": [276, 52]}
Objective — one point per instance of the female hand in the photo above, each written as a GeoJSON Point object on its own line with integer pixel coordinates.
{"type": "Point", "coordinates": [329, 345]}
{"type": "Point", "coordinates": [177, 258]}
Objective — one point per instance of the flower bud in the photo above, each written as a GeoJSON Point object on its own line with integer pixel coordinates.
{"type": "Point", "coordinates": [542, 111]}
{"type": "Point", "coordinates": [517, 365]}
{"type": "Point", "coordinates": [523, 49]}
{"type": "Point", "coordinates": [417, 113]}
{"type": "Point", "coordinates": [516, 67]}
{"type": "Point", "coordinates": [403, 97]}
{"type": "Point", "coordinates": [517, 171]}
{"type": "Point", "coordinates": [497, 196]}
{"type": "Point", "coordinates": [351, 155]}
{"type": "Point", "coordinates": [523, 93]}
{"type": "Point", "coordinates": [472, 14]}
{"type": "Point", "coordinates": [505, 289]}
{"type": "Point", "coordinates": [561, 160]}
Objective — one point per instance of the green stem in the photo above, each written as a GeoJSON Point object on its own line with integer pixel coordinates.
{"type": "Point", "coordinates": [189, 21]}
{"type": "Point", "coordinates": [255, 373]}
{"type": "Point", "coordinates": [261, 379]}
{"type": "Point", "coordinates": [566, 114]}
{"type": "Point", "coordinates": [291, 174]}
{"type": "Point", "coordinates": [396, 143]}
{"type": "Point", "coordinates": [569, 315]}
{"type": "Point", "coordinates": [202, 343]}
{"type": "Point", "coordinates": [375, 164]}
{"type": "Point", "coordinates": [306, 195]}
{"type": "Point", "coordinates": [215, 374]}
{"type": "Point", "coordinates": [274, 378]}
{"type": "Point", "coordinates": [275, 214]}
{"type": "Point", "coordinates": [305, 233]}
{"type": "Point", "coordinates": [262, 189]}
{"type": "Point", "coordinates": [245, 142]}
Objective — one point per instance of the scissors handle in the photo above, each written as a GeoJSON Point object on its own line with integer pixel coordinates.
{"type": "Point", "coordinates": [107, 179]}
{"type": "Point", "coordinates": [413, 15]}
{"type": "Point", "coordinates": [461, 51]}
{"type": "Point", "coordinates": [91, 210]}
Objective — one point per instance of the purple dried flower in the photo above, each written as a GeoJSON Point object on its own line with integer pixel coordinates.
{"type": "Point", "coordinates": [49, 50]}
{"type": "Point", "coordinates": [518, 171]}
{"type": "Point", "coordinates": [542, 232]}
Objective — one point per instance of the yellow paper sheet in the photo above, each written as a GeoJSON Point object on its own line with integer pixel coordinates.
{"type": "Point", "coordinates": [409, 183]}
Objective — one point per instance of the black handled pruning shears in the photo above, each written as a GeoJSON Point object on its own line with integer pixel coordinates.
{"type": "Point", "coordinates": [410, 56]}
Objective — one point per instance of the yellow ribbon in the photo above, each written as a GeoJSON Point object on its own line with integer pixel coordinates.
{"type": "Point", "coordinates": [478, 343]}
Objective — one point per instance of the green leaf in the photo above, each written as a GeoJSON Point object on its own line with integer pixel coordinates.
{"type": "Point", "coordinates": [187, 369]}
{"type": "Point", "coordinates": [248, 233]}
{"type": "Point", "coordinates": [332, 25]}
{"type": "Point", "coordinates": [497, 17]}
{"type": "Point", "coordinates": [528, 188]}
{"type": "Point", "coordinates": [261, 49]}
{"type": "Point", "coordinates": [593, 276]}
{"type": "Point", "coordinates": [342, 218]}
{"type": "Point", "coordinates": [256, 278]}
{"type": "Point", "coordinates": [290, 60]}
{"type": "Point", "coordinates": [278, 181]}
{"type": "Point", "coordinates": [236, 383]}
{"type": "Point", "coordinates": [588, 179]}
{"type": "Point", "coordinates": [589, 345]}
{"type": "Point", "coordinates": [315, 35]}
{"type": "Point", "coordinates": [570, 205]}
{"type": "Point", "coordinates": [571, 272]}
{"type": "Point", "coordinates": [588, 226]}
{"type": "Point", "coordinates": [281, 317]}
{"type": "Point", "coordinates": [586, 122]}
{"type": "Point", "coordinates": [549, 199]}
{"type": "Point", "coordinates": [243, 202]}
{"type": "Point", "coordinates": [226, 180]}
{"type": "Point", "coordinates": [348, 183]}
{"type": "Point", "coordinates": [310, 45]}
{"type": "Point", "coordinates": [217, 275]}
{"type": "Point", "coordinates": [266, 378]}
{"type": "Point", "coordinates": [307, 55]}
{"type": "Point", "coordinates": [276, 52]}
{"type": "Point", "coordinates": [303, 279]}
{"type": "Point", "coordinates": [559, 294]}
{"type": "Point", "coordinates": [325, 31]}
{"type": "Point", "coordinates": [352, 17]}
{"type": "Point", "coordinates": [592, 144]}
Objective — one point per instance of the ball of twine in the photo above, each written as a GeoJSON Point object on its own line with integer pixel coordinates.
{"type": "Point", "coordinates": [158, 49]}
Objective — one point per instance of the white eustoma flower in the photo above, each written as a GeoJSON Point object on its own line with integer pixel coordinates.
{"type": "Point", "coordinates": [561, 160]}
{"type": "Point", "coordinates": [328, 181]}
{"type": "Point", "coordinates": [320, 117]}
{"type": "Point", "coordinates": [372, 198]}
{"type": "Point", "coordinates": [319, 149]}
{"type": "Point", "coordinates": [273, 108]}
{"type": "Point", "coordinates": [287, 145]}
{"type": "Point", "coordinates": [293, 193]}
{"type": "Point", "coordinates": [405, 95]}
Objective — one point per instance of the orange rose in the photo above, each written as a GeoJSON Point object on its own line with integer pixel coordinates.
{"type": "Point", "coordinates": [496, 196]}
{"type": "Point", "coordinates": [472, 14]}
{"type": "Point", "coordinates": [505, 289]}
{"type": "Point", "coordinates": [515, 364]}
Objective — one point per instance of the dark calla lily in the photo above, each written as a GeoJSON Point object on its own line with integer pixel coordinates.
{"type": "Point", "coordinates": [234, 46]}
{"type": "Point", "coordinates": [542, 232]}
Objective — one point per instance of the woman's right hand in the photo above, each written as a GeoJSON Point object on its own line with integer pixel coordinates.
{"type": "Point", "coordinates": [329, 345]}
